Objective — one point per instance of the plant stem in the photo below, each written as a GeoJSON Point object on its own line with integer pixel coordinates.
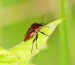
{"type": "Point", "coordinates": [63, 37]}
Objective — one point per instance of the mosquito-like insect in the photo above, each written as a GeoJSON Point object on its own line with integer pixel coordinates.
{"type": "Point", "coordinates": [33, 31]}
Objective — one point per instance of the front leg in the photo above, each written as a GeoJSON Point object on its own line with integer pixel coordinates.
{"type": "Point", "coordinates": [44, 34]}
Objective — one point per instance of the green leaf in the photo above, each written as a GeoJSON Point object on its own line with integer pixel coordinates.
{"type": "Point", "coordinates": [21, 54]}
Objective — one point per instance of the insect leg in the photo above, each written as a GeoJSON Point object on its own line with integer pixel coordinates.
{"type": "Point", "coordinates": [36, 40]}
{"type": "Point", "coordinates": [44, 33]}
{"type": "Point", "coordinates": [32, 45]}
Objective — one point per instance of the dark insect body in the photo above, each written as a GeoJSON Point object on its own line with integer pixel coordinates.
{"type": "Point", "coordinates": [33, 31]}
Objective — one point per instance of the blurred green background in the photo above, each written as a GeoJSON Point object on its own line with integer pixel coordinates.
{"type": "Point", "coordinates": [16, 16]}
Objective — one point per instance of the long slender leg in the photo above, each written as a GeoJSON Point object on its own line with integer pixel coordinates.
{"type": "Point", "coordinates": [36, 40]}
{"type": "Point", "coordinates": [44, 33]}
{"type": "Point", "coordinates": [32, 44]}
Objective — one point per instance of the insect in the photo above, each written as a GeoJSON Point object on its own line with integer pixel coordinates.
{"type": "Point", "coordinates": [33, 31]}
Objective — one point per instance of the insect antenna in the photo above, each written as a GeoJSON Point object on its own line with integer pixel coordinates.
{"type": "Point", "coordinates": [43, 24]}
{"type": "Point", "coordinates": [43, 21]}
